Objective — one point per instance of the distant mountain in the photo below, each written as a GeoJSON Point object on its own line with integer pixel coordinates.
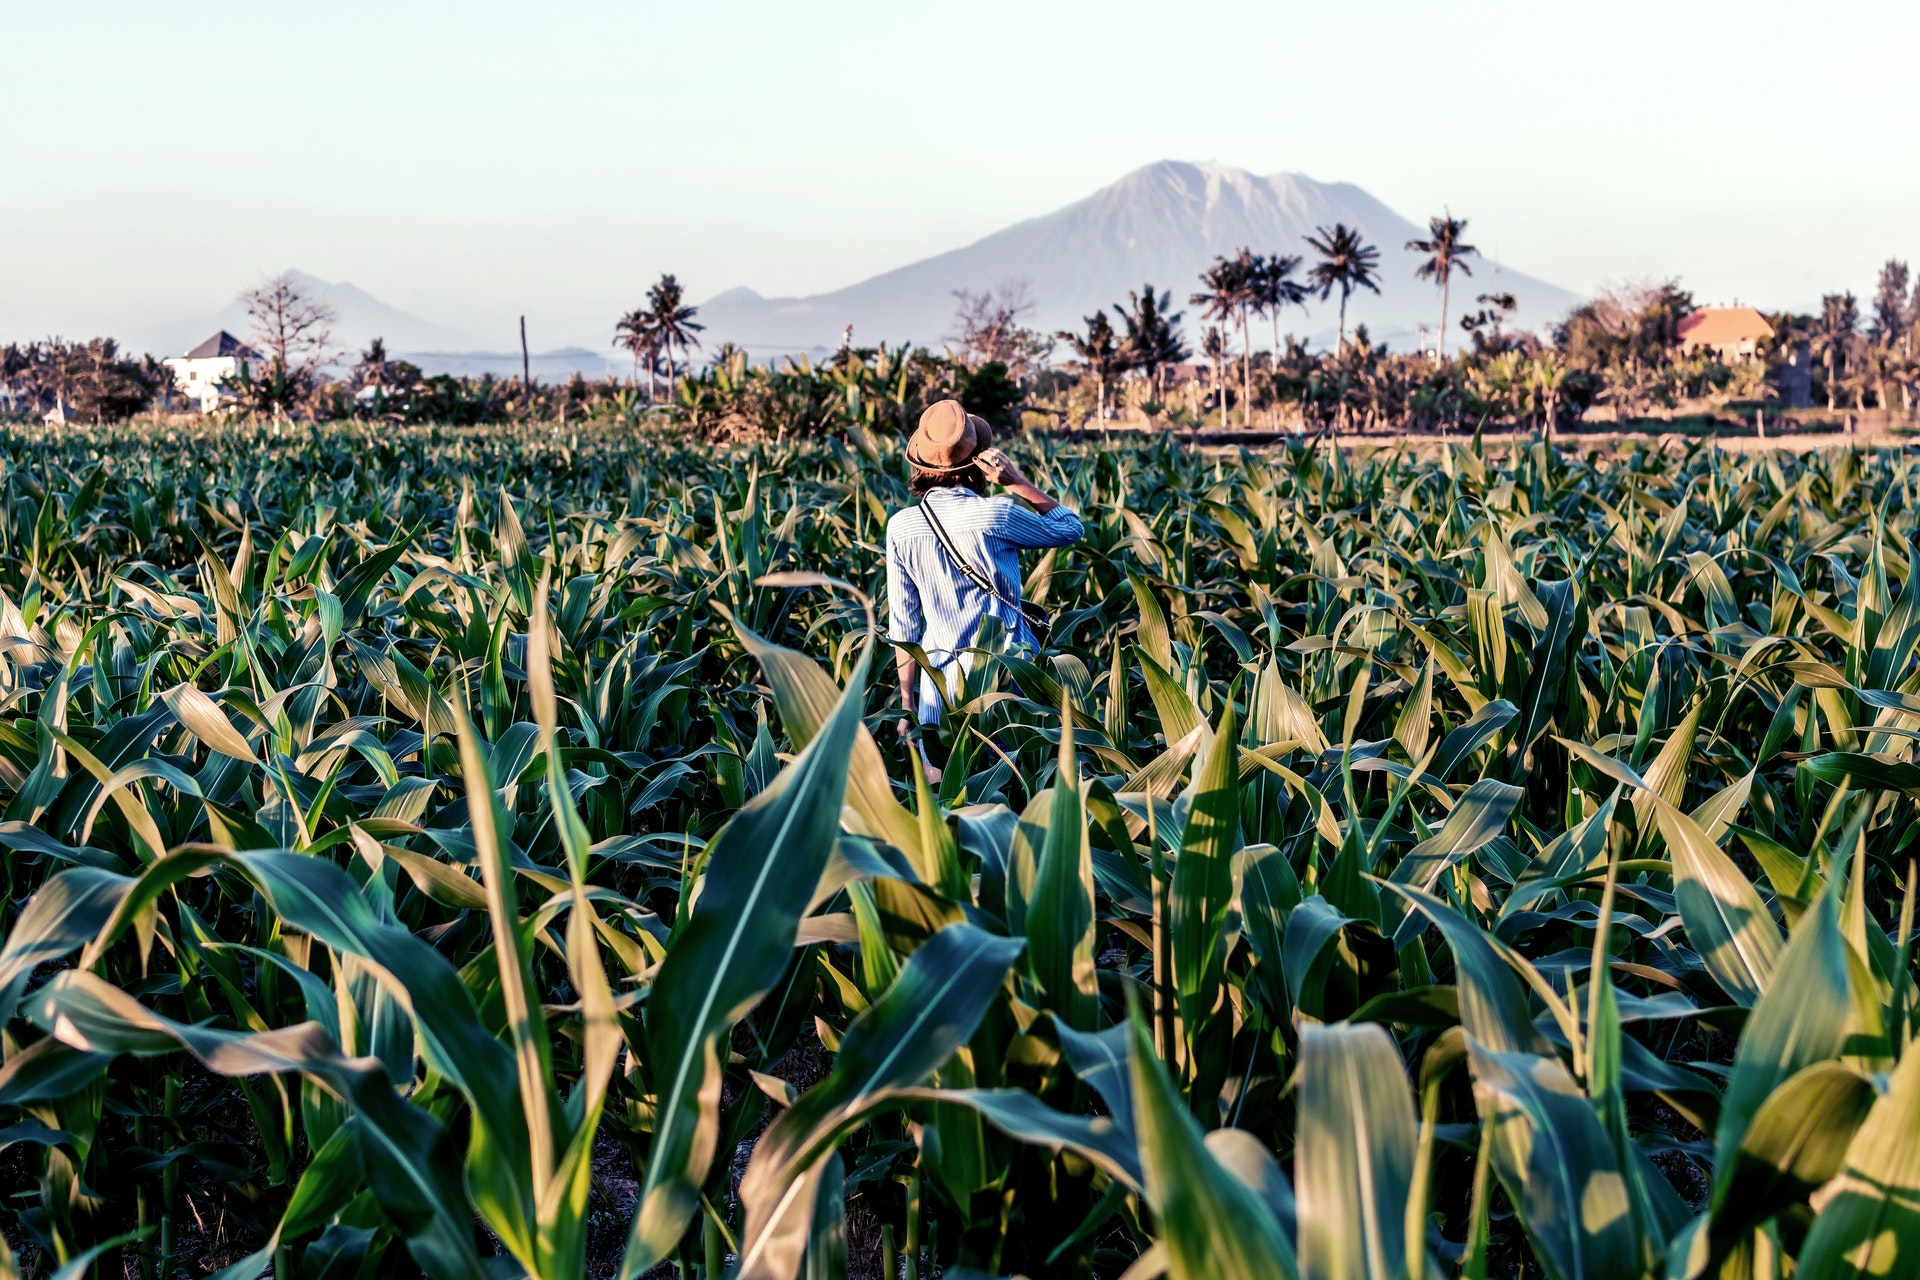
{"type": "Point", "coordinates": [1163, 223]}
{"type": "Point", "coordinates": [359, 319]}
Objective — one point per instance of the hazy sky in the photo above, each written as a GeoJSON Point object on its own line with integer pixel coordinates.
{"type": "Point", "coordinates": [475, 160]}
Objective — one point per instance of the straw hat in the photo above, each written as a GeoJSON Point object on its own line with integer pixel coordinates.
{"type": "Point", "coordinates": [948, 438]}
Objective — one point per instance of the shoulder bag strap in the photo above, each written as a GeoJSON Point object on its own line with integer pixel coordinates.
{"type": "Point", "coordinates": [960, 562]}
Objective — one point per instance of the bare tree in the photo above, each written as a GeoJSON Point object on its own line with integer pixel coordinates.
{"type": "Point", "coordinates": [987, 327]}
{"type": "Point", "coordinates": [291, 325]}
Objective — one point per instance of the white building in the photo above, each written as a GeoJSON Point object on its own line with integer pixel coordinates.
{"type": "Point", "coordinates": [199, 373]}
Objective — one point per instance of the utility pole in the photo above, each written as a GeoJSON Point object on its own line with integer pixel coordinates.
{"type": "Point", "coordinates": [526, 365]}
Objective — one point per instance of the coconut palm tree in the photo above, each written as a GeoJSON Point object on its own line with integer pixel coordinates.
{"type": "Point", "coordinates": [1246, 299]}
{"type": "Point", "coordinates": [1446, 253]}
{"type": "Point", "coordinates": [1833, 334]}
{"type": "Point", "coordinates": [673, 321]}
{"type": "Point", "coordinates": [1153, 336]}
{"type": "Point", "coordinates": [1892, 322]}
{"type": "Point", "coordinates": [635, 332]}
{"type": "Point", "coordinates": [1098, 355]}
{"type": "Point", "coordinates": [1231, 291]}
{"type": "Point", "coordinates": [1346, 263]}
{"type": "Point", "coordinates": [1275, 289]}
{"type": "Point", "coordinates": [1213, 345]}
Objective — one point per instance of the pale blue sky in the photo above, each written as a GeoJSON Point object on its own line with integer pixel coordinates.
{"type": "Point", "coordinates": [470, 161]}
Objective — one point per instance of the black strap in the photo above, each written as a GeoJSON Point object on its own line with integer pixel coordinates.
{"type": "Point", "coordinates": [960, 562]}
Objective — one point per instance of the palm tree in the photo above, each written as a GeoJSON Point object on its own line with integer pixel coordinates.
{"type": "Point", "coordinates": [673, 321]}
{"type": "Point", "coordinates": [1229, 292]}
{"type": "Point", "coordinates": [1099, 356]}
{"type": "Point", "coordinates": [634, 332]}
{"type": "Point", "coordinates": [1275, 289]}
{"type": "Point", "coordinates": [1213, 345]}
{"type": "Point", "coordinates": [1893, 332]}
{"type": "Point", "coordinates": [1246, 298]}
{"type": "Point", "coordinates": [1833, 335]}
{"type": "Point", "coordinates": [1153, 339]}
{"type": "Point", "coordinates": [1346, 263]}
{"type": "Point", "coordinates": [1446, 253]}
{"type": "Point", "coordinates": [373, 364]}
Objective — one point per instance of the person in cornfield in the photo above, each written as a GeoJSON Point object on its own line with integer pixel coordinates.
{"type": "Point", "coordinates": [953, 558]}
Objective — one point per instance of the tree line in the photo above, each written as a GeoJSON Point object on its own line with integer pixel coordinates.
{"type": "Point", "coordinates": [1617, 355]}
{"type": "Point", "coordinates": [1236, 289]}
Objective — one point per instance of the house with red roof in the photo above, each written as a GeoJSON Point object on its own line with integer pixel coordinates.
{"type": "Point", "coordinates": [1734, 333]}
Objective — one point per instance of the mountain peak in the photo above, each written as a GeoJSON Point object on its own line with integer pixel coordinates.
{"type": "Point", "coordinates": [1163, 222]}
{"type": "Point", "coordinates": [359, 317]}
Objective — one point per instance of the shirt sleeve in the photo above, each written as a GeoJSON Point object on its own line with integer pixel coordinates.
{"type": "Point", "coordinates": [904, 621]}
{"type": "Point", "coordinates": [1020, 526]}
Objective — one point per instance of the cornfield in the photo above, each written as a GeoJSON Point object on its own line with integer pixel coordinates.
{"type": "Point", "coordinates": [486, 853]}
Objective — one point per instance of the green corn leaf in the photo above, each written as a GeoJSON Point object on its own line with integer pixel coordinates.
{"type": "Point", "coordinates": [1178, 716]}
{"type": "Point", "coordinates": [1203, 879]}
{"type": "Point", "coordinates": [1796, 1141]}
{"type": "Point", "coordinates": [1547, 667]}
{"type": "Point", "coordinates": [205, 720]}
{"type": "Point", "coordinates": [1353, 1154]}
{"type": "Point", "coordinates": [1155, 640]}
{"type": "Point", "coordinates": [1213, 1225]}
{"type": "Point", "coordinates": [408, 1156]}
{"type": "Point", "coordinates": [929, 1012]}
{"type": "Point", "coordinates": [329, 1182]}
{"type": "Point", "coordinates": [807, 697]}
{"type": "Point", "coordinates": [1312, 930]}
{"type": "Point", "coordinates": [1269, 892]}
{"type": "Point", "coordinates": [526, 1023]}
{"type": "Point", "coordinates": [48, 1069]}
{"type": "Point", "coordinates": [1479, 729]}
{"type": "Point", "coordinates": [1863, 770]}
{"type": "Point", "coordinates": [761, 871]}
{"type": "Point", "coordinates": [827, 1244]}
{"type": "Point", "coordinates": [1569, 858]}
{"type": "Point", "coordinates": [1058, 913]}
{"type": "Point", "coordinates": [1415, 720]}
{"type": "Point", "coordinates": [562, 1210]}
{"type": "Point", "coordinates": [1099, 1061]}
{"type": "Point", "coordinates": [1108, 1141]}
{"type": "Point", "coordinates": [1666, 778]}
{"type": "Point", "coordinates": [1803, 1018]}
{"type": "Point", "coordinates": [71, 908]}
{"type": "Point", "coordinates": [1478, 816]}
{"type": "Point", "coordinates": [1493, 1004]}
{"type": "Point", "coordinates": [1726, 921]}
{"type": "Point", "coordinates": [1557, 1166]}
{"type": "Point", "coordinates": [318, 898]}
{"type": "Point", "coordinates": [1242, 1155]}
{"type": "Point", "coordinates": [1868, 1225]}
{"type": "Point", "coordinates": [354, 589]}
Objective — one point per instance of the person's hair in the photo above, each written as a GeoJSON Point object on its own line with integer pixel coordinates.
{"type": "Point", "coordinates": [968, 477]}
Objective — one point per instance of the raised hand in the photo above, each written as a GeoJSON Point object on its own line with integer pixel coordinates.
{"type": "Point", "coordinates": [999, 468]}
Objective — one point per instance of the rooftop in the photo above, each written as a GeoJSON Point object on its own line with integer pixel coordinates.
{"type": "Point", "coordinates": [223, 344]}
{"type": "Point", "coordinates": [1719, 326]}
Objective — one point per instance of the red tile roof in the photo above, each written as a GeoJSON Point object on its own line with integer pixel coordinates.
{"type": "Point", "coordinates": [1721, 326]}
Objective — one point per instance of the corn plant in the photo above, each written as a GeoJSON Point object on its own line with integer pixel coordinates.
{"type": "Point", "coordinates": [469, 852]}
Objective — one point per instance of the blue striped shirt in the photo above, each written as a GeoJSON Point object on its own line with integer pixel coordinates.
{"type": "Point", "coordinates": [929, 601]}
